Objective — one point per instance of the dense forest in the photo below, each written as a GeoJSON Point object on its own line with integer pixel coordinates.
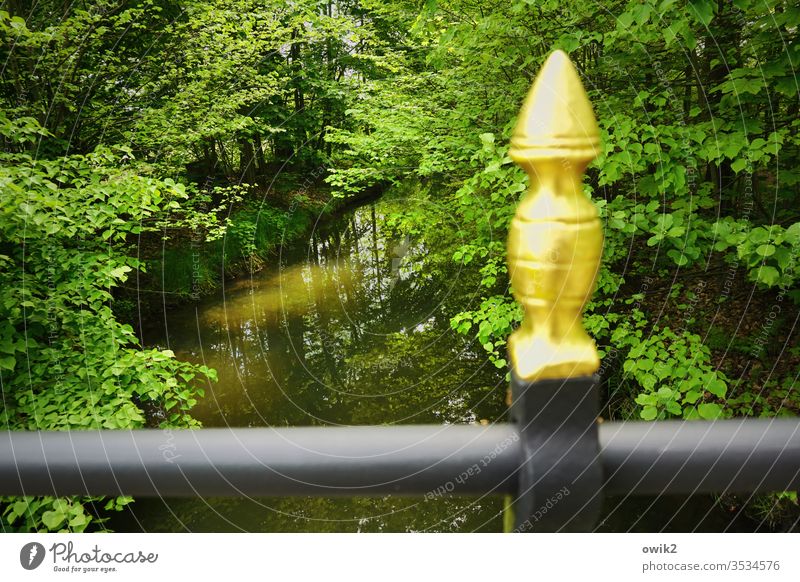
{"type": "Point", "coordinates": [133, 131]}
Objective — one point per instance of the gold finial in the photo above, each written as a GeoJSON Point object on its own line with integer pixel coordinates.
{"type": "Point", "coordinates": [555, 240]}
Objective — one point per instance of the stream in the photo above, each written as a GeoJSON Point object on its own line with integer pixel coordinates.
{"type": "Point", "coordinates": [351, 326]}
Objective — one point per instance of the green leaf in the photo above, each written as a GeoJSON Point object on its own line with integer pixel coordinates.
{"type": "Point", "coordinates": [645, 365]}
{"type": "Point", "coordinates": [703, 10]}
{"type": "Point", "coordinates": [692, 396]}
{"type": "Point", "coordinates": [679, 258]}
{"type": "Point", "coordinates": [569, 42]}
{"type": "Point", "coordinates": [691, 413]}
{"type": "Point", "coordinates": [792, 234]}
{"type": "Point", "coordinates": [718, 388]}
{"type": "Point", "coordinates": [758, 235]}
{"type": "Point", "coordinates": [766, 250]}
{"type": "Point", "coordinates": [646, 399]}
{"type": "Point", "coordinates": [486, 138]}
{"type": "Point", "coordinates": [649, 413]}
{"type": "Point", "coordinates": [19, 508]}
{"type": "Point", "coordinates": [7, 362]}
{"type": "Point", "coordinates": [52, 519]}
{"type": "Point", "coordinates": [768, 275]}
{"type": "Point", "coordinates": [739, 164]}
{"type": "Point", "coordinates": [79, 520]}
{"type": "Point", "coordinates": [119, 272]}
{"type": "Point", "coordinates": [709, 411]}
{"type": "Point", "coordinates": [665, 393]}
{"type": "Point", "coordinates": [625, 19]}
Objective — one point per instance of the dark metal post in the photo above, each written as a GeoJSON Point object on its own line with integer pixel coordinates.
{"type": "Point", "coordinates": [560, 479]}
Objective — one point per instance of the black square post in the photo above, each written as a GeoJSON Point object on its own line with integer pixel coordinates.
{"type": "Point", "coordinates": [560, 477]}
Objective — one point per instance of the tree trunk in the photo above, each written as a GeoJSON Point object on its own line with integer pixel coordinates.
{"type": "Point", "coordinates": [247, 170]}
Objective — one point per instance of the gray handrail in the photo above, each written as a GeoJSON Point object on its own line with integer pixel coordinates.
{"type": "Point", "coordinates": [670, 457]}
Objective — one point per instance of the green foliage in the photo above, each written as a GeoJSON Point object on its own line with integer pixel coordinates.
{"type": "Point", "coordinates": [66, 362]}
{"type": "Point", "coordinates": [676, 376]}
{"type": "Point", "coordinates": [248, 237]}
{"type": "Point", "coordinates": [688, 159]}
{"type": "Point", "coordinates": [494, 320]}
{"type": "Point", "coordinates": [776, 398]}
{"type": "Point", "coordinates": [226, 89]}
{"type": "Point", "coordinates": [68, 514]}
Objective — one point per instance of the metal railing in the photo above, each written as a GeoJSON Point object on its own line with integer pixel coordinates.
{"type": "Point", "coordinates": [554, 453]}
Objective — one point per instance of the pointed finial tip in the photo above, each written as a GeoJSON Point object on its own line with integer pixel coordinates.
{"type": "Point", "coordinates": [556, 119]}
{"type": "Point", "coordinates": [557, 55]}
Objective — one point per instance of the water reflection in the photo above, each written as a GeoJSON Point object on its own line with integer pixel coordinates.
{"type": "Point", "coordinates": [350, 328]}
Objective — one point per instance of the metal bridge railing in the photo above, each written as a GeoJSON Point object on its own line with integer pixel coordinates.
{"type": "Point", "coordinates": [554, 453]}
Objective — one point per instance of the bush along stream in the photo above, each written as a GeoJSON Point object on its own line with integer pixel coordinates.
{"type": "Point", "coordinates": [84, 236]}
{"type": "Point", "coordinates": [67, 362]}
{"type": "Point", "coordinates": [188, 259]}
